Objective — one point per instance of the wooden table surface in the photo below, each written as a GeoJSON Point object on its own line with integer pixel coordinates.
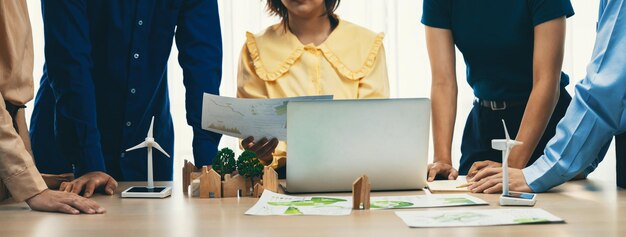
{"type": "Point", "coordinates": [590, 208]}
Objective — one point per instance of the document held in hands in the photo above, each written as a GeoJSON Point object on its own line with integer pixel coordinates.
{"type": "Point", "coordinates": [249, 117]}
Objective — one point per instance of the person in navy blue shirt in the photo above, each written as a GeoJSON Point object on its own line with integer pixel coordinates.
{"type": "Point", "coordinates": [513, 51]}
{"type": "Point", "coordinates": [105, 77]}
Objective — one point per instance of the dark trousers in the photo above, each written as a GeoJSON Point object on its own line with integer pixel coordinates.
{"type": "Point", "coordinates": [620, 159]}
{"type": "Point", "coordinates": [484, 124]}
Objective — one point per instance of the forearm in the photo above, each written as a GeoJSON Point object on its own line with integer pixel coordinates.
{"type": "Point", "coordinates": [444, 104]}
{"type": "Point", "coordinates": [537, 114]}
{"type": "Point", "coordinates": [547, 62]}
{"type": "Point", "coordinates": [17, 169]}
{"type": "Point", "coordinates": [443, 90]}
{"type": "Point", "coordinates": [578, 141]}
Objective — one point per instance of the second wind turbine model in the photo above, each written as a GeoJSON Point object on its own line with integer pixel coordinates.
{"type": "Point", "coordinates": [510, 198]}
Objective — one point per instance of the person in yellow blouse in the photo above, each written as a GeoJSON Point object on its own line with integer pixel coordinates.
{"type": "Point", "coordinates": [310, 52]}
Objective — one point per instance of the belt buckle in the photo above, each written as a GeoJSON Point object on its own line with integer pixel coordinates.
{"type": "Point", "coordinates": [494, 105]}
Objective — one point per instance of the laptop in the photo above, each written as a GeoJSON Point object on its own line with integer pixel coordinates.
{"type": "Point", "coordinates": [330, 143]}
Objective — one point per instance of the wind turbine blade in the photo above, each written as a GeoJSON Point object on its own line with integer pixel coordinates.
{"type": "Point", "coordinates": [140, 145]}
{"type": "Point", "coordinates": [158, 147]}
{"type": "Point", "coordinates": [506, 131]}
{"type": "Point", "coordinates": [150, 129]}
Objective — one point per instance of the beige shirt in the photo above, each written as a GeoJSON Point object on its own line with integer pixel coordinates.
{"type": "Point", "coordinates": [18, 173]}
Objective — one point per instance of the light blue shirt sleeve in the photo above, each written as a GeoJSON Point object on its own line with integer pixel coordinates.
{"type": "Point", "coordinates": [595, 114]}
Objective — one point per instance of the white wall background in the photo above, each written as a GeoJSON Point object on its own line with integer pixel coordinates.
{"type": "Point", "coordinates": [407, 59]}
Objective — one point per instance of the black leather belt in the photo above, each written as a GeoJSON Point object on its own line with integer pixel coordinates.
{"type": "Point", "coordinates": [498, 105]}
{"type": "Point", "coordinates": [12, 109]}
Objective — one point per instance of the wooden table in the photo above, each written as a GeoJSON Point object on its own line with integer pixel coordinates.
{"type": "Point", "coordinates": [590, 208]}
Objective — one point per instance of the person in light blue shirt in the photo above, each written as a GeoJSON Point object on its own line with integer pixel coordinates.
{"type": "Point", "coordinates": [595, 115]}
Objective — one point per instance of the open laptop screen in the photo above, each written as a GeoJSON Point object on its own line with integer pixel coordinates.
{"type": "Point", "coordinates": [332, 142]}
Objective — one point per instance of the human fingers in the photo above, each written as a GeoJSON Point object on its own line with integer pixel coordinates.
{"type": "Point", "coordinates": [89, 188]}
{"type": "Point", "coordinates": [268, 148]}
{"type": "Point", "coordinates": [84, 204]}
{"type": "Point", "coordinates": [477, 166]}
{"type": "Point", "coordinates": [273, 143]}
{"type": "Point", "coordinates": [432, 173]}
{"type": "Point", "coordinates": [79, 203]}
{"type": "Point", "coordinates": [485, 173]}
{"type": "Point", "coordinates": [68, 187]}
{"type": "Point", "coordinates": [485, 184]}
{"type": "Point", "coordinates": [258, 144]}
{"type": "Point", "coordinates": [95, 206]}
{"type": "Point", "coordinates": [471, 174]}
{"type": "Point", "coordinates": [495, 189]}
{"type": "Point", "coordinates": [245, 143]}
{"type": "Point", "coordinates": [78, 186]}
{"type": "Point", "coordinates": [453, 174]}
{"type": "Point", "coordinates": [63, 186]}
{"type": "Point", "coordinates": [64, 208]}
{"type": "Point", "coordinates": [110, 187]}
{"type": "Point", "coordinates": [267, 159]}
{"type": "Point", "coordinates": [261, 153]}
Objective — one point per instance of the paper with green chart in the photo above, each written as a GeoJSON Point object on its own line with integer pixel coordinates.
{"type": "Point", "coordinates": [242, 118]}
{"type": "Point", "coordinates": [477, 217]}
{"type": "Point", "coordinates": [272, 203]}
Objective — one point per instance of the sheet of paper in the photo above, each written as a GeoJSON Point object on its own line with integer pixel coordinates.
{"type": "Point", "coordinates": [477, 217]}
{"type": "Point", "coordinates": [274, 204]}
{"type": "Point", "coordinates": [248, 117]}
{"type": "Point", "coordinates": [419, 201]}
{"type": "Point", "coordinates": [448, 185]}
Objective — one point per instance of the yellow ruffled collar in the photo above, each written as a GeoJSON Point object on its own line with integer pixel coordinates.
{"type": "Point", "coordinates": [350, 49]}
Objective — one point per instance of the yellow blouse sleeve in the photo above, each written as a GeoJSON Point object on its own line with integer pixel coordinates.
{"type": "Point", "coordinates": [249, 85]}
{"type": "Point", "coordinates": [376, 84]}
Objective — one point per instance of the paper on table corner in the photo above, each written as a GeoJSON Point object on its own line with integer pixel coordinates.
{"type": "Point", "coordinates": [477, 217]}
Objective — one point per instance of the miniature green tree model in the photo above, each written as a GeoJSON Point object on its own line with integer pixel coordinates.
{"type": "Point", "coordinates": [249, 166]}
{"type": "Point", "coordinates": [224, 162]}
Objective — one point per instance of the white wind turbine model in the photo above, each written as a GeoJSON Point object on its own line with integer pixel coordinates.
{"type": "Point", "coordinates": [510, 198]}
{"type": "Point", "coordinates": [150, 191]}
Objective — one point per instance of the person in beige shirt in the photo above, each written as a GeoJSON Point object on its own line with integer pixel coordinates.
{"type": "Point", "coordinates": [19, 178]}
